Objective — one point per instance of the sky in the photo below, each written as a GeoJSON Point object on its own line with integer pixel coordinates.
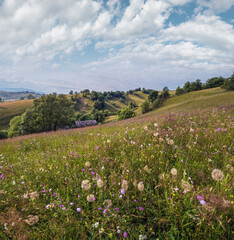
{"type": "Point", "coordinates": [108, 45]}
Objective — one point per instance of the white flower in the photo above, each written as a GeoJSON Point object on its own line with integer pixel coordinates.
{"type": "Point", "coordinates": [125, 185]}
{"type": "Point", "coordinates": [170, 142]}
{"type": "Point", "coordinates": [96, 224]}
{"type": "Point", "coordinates": [217, 175]}
{"type": "Point", "coordinates": [78, 209]}
{"type": "Point", "coordinates": [141, 237]}
{"type": "Point", "coordinates": [90, 198]}
{"type": "Point", "coordinates": [186, 186]}
{"type": "Point", "coordinates": [87, 164]}
{"type": "Point", "coordinates": [100, 183]}
{"type": "Point", "coordinates": [173, 171]}
{"type": "Point", "coordinates": [85, 185]}
{"type": "Point", "coordinates": [140, 186]}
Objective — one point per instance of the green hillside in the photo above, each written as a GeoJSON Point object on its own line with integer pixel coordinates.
{"type": "Point", "coordinates": [167, 174]}
{"type": "Point", "coordinates": [9, 110]}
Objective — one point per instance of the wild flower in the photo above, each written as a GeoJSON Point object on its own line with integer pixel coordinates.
{"type": "Point", "coordinates": [34, 195]}
{"type": "Point", "coordinates": [229, 167]}
{"type": "Point", "coordinates": [125, 234]}
{"type": "Point", "coordinates": [108, 202]}
{"type": "Point", "coordinates": [100, 183]}
{"type": "Point", "coordinates": [146, 169]}
{"type": "Point", "coordinates": [87, 164]}
{"type": "Point", "coordinates": [161, 176]}
{"type": "Point", "coordinates": [217, 175]}
{"type": "Point", "coordinates": [95, 224]}
{"type": "Point", "coordinates": [142, 237]}
{"type": "Point", "coordinates": [203, 202]}
{"type": "Point", "coordinates": [170, 142]}
{"type": "Point", "coordinates": [125, 185]}
{"type": "Point", "coordinates": [140, 186]}
{"type": "Point", "coordinates": [85, 185]}
{"type": "Point", "coordinates": [174, 171]}
{"type": "Point", "coordinates": [78, 209]}
{"type": "Point", "coordinates": [186, 186]}
{"type": "Point", "coordinates": [122, 191]}
{"type": "Point", "coordinates": [32, 220]}
{"type": "Point", "coordinates": [90, 198]}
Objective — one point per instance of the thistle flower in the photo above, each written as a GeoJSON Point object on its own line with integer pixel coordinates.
{"type": "Point", "coordinates": [140, 186]}
{"type": "Point", "coordinates": [100, 183]}
{"type": "Point", "coordinates": [32, 220]}
{"type": "Point", "coordinates": [90, 198]}
{"type": "Point", "coordinates": [173, 171]}
{"type": "Point", "coordinates": [186, 186]}
{"type": "Point", "coordinates": [85, 185]}
{"type": "Point", "coordinates": [217, 175]}
{"type": "Point", "coordinates": [125, 185]}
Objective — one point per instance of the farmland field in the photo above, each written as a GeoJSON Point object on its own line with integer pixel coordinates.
{"type": "Point", "coordinates": [164, 175]}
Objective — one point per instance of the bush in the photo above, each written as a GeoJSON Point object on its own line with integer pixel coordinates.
{"type": "Point", "coordinates": [145, 107]}
{"type": "Point", "coordinates": [157, 103]}
{"type": "Point", "coordinates": [125, 113]}
{"type": "Point", "coordinates": [3, 134]}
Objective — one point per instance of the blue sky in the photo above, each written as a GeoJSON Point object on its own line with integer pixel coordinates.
{"type": "Point", "coordinates": [57, 45]}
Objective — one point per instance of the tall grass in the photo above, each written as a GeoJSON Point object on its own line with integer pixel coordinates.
{"type": "Point", "coordinates": [148, 177]}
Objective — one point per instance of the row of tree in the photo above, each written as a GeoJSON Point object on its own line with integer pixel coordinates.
{"type": "Point", "coordinates": [226, 83]}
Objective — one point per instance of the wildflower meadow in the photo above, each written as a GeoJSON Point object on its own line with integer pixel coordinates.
{"type": "Point", "coordinates": [168, 176]}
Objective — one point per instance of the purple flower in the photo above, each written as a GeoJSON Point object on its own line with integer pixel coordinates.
{"type": "Point", "coordinates": [141, 208]}
{"type": "Point", "coordinates": [203, 202]}
{"type": "Point", "coordinates": [122, 191]}
{"type": "Point", "coordinates": [117, 209]}
{"type": "Point", "coordinates": [104, 211]}
{"type": "Point", "coordinates": [55, 194]}
{"type": "Point", "coordinates": [78, 210]}
{"type": "Point", "coordinates": [125, 234]}
{"type": "Point", "coordinates": [200, 198]}
{"type": "Point", "coordinates": [99, 208]}
{"type": "Point", "coordinates": [92, 173]}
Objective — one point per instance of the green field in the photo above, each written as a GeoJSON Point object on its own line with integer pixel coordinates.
{"type": "Point", "coordinates": [167, 174]}
{"type": "Point", "coordinates": [9, 110]}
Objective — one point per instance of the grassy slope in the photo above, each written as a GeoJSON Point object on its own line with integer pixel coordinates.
{"type": "Point", "coordinates": [51, 163]}
{"type": "Point", "coordinates": [9, 110]}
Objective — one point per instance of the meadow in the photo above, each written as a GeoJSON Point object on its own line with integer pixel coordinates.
{"type": "Point", "coordinates": [163, 175]}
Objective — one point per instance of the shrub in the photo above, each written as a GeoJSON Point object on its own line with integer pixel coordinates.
{"type": "Point", "coordinates": [3, 134]}
{"type": "Point", "coordinates": [125, 113]}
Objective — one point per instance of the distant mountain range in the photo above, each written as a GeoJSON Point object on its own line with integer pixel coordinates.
{"type": "Point", "coordinates": [20, 90]}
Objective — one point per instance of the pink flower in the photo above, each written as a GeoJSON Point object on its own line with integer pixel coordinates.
{"type": "Point", "coordinates": [125, 234]}
{"type": "Point", "coordinates": [200, 198]}
{"type": "Point", "coordinates": [141, 208]}
{"type": "Point", "coordinates": [203, 202]}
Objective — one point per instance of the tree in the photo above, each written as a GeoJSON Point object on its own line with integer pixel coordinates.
{"type": "Point", "coordinates": [187, 87]}
{"type": "Point", "coordinates": [30, 96]}
{"type": "Point", "coordinates": [48, 113]}
{"type": "Point", "coordinates": [15, 127]}
{"type": "Point", "coordinates": [98, 104]}
{"type": "Point", "coordinates": [145, 107]}
{"type": "Point", "coordinates": [179, 91]}
{"type": "Point", "coordinates": [125, 113]}
{"type": "Point", "coordinates": [229, 83]}
{"type": "Point", "coordinates": [165, 93]}
{"type": "Point", "coordinates": [71, 92]}
{"type": "Point", "coordinates": [153, 96]}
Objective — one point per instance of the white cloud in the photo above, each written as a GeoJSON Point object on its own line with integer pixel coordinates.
{"type": "Point", "coordinates": [142, 18]}
{"type": "Point", "coordinates": [207, 30]}
{"type": "Point", "coordinates": [217, 5]}
{"type": "Point", "coordinates": [179, 2]}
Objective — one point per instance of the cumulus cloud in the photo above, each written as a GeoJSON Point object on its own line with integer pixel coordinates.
{"type": "Point", "coordinates": [217, 5]}
{"type": "Point", "coordinates": [208, 30]}
{"type": "Point", "coordinates": [134, 41]}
